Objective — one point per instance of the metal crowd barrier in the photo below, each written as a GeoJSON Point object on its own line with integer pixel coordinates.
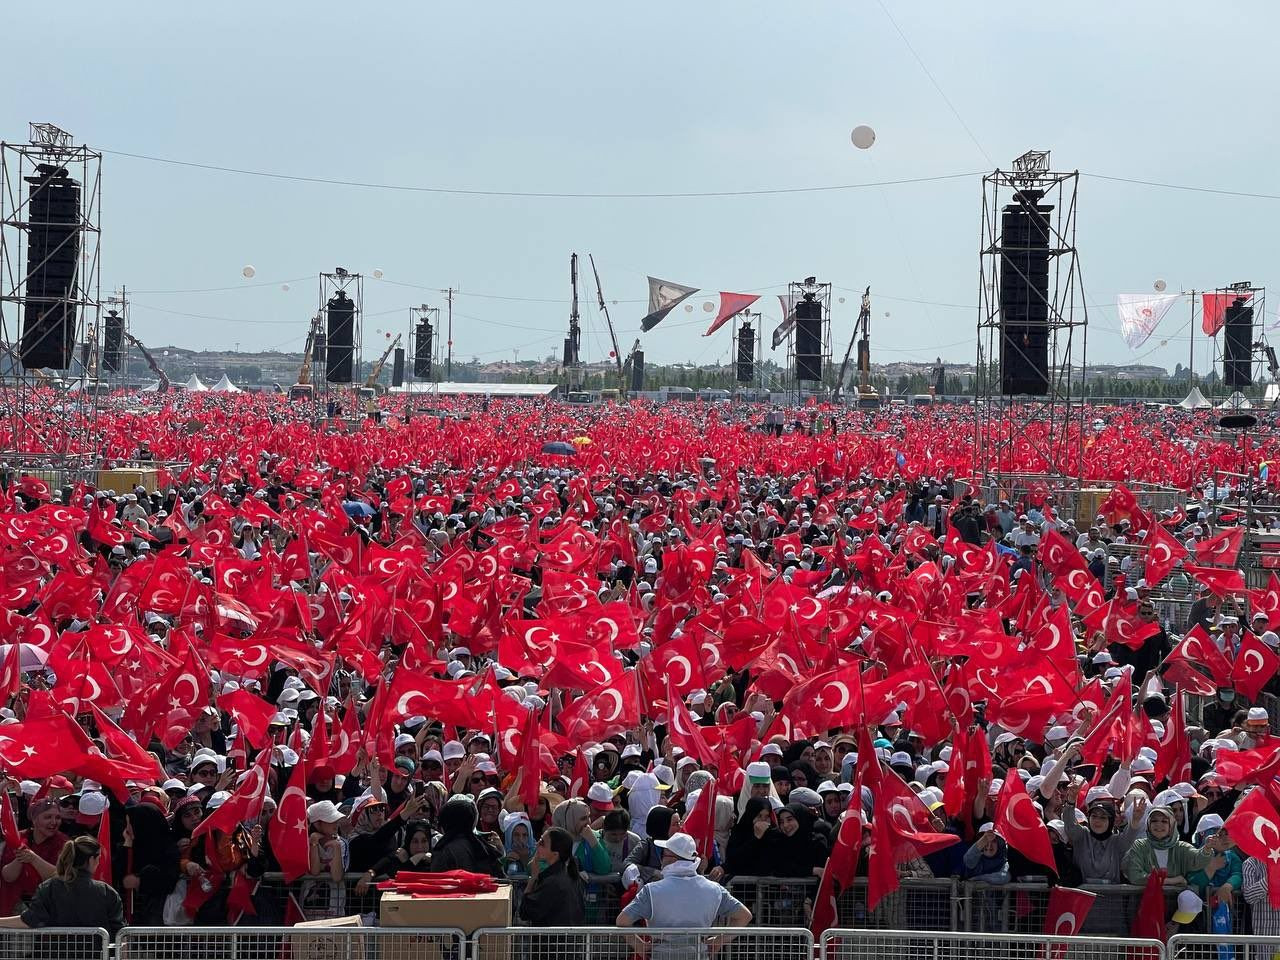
{"type": "Point", "coordinates": [1020, 908]}
{"type": "Point", "coordinates": [293, 943]}
{"type": "Point", "coordinates": [840, 944]}
{"type": "Point", "coordinates": [83, 943]}
{"type": "Point", "coordinates": [1221, 946]}
{"type": "Point", "coordinates": [615, 943]}
{"type": "Point", "coordinates": [923, 904]}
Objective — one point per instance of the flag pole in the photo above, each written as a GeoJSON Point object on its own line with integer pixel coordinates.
{"type": "Point", "coordinates": [1191, 346]}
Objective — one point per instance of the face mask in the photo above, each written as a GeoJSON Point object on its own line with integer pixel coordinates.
{"type": "Point", "coordinates": [1226, 696]}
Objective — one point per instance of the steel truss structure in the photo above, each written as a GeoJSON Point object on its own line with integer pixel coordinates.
{"type": "Point", "coordinates": [49, 417]}
{"type": "Point", "coordinates": [809, 289]}
{"type": "Point", "coordinates": [1214, 387]}
{"type": "Point", "coordinates": [1049, 427]}
{"type": "Point", "coordinates": [352, 284]}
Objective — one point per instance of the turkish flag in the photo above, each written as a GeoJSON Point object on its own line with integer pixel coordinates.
{"type": "Point", "coordinates": [1214, 310]}
{"type": "Point", "coordinates": [1255, 664]}
{"type": "Point", "coordinates": [1064, 915]}
{"type": "Point", "coordinates": [1173, 754]}
{"type": "Point", "coordinates": [700, 821]}
{"type": "Point", "coordinates": [684, 733]}
{"type": "Point", "coordinates": [1022, 828]}
{"type": "Point", "coordinates": [1220, 581]}
{"type": "Point", "coordinates": [103, 872]}
{"type": "Point", "coordinates": [1199, 648]}
{"type": "Point", "coordinates": [612, 707]}
{"type": "Point", "coordinates": [9, 824]}
{"type": "Point", "coordinates": [840, 870]}
{"type": "Point", "coordinates": [730, 304]}
{"type": "Point", "coordinates": [344, 745]}
{"type": "Point", "coordinates": [244, 804]}
{"type": "Point", "coordinates": [1222, 549]}
{"type": "Point", "coordinates": [288, 830]}
{"type": "Point", "coordinates": [1163, 551]}
{"type": "Point", "coordinates": [1254, 827]}
{"type": "Point", "coordinates": [251, 714]}
{"type": "Point", "coordinates": [1149, 921]}
{"type": "Point", "coordinates": [882, 871]}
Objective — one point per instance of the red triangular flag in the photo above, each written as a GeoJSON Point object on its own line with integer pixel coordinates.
{"type": "Point", "coordinates": [730, 303]}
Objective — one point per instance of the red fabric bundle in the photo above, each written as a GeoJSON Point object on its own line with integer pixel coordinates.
{"type": "Point", "coordinates": [450, 883]}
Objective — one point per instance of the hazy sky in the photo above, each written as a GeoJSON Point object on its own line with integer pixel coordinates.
{"type": "Point", "coordinates": [641, 98]}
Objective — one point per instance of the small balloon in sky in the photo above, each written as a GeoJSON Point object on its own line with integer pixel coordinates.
{"type": "Point", "coordinates": [862, 136]}
{"type": "Point", "coordinates": [377, 274]}
{"type": "Point", "coordinates": [839, 299]}
{"type": "Point", "coordinates": [688, 308]}
{"type": "Point", "coordinates": [1159, 285]}
{"type": "Point", "coordinates": [248, 271]}
{"type": "Point", "coordinates": [284, 287]}
{"type": "Point", "coordinates": [708, 306]}
{"type": "Point", "coordinates": [612, 355]}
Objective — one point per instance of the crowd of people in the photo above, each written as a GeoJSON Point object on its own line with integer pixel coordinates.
{"type": "Point", "coordinates": [693, 651]}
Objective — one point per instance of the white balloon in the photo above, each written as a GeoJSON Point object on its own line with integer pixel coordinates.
{"type": "Point", "coordinates": [708, 306]}
{"type": "Point", "coordinates": [839, 299]}
{"type": "Point", "coordinates": [284, 287]}
{"type": "Point", "coordinates": [248, 271]}
{"type": "Point", "coordinates": [862, 136]}
{"type": "Point", "coordinates": [377, 274]}
{"type": "Point", "coordinates": [688, 308]}
{"type": "Point", "coordinates": [1159, 285]}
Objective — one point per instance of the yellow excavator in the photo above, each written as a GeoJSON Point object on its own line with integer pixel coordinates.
{"type": "Point", "coordinates": [303, 389]}
{"type": "Point", "coordinates": [371, 386]}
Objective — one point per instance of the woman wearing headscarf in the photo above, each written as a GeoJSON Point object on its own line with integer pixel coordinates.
{"type": "Point", "coordinates": [753, 841]}
{"type": "Point", "coordinates": [1161, 849]}
{"type": "Point", "coordinates": [375, 836]}
{"type": "Point", "coordinates": [1098, 845]}
{"type": "Point", "coordinates": [643, 797]}
{"type": "Point", "coordinates": [518, 840]}
{"type": "Point", "coordinates": [574, 817]}
{"type": "Point", "coordinates": [803, 775]}
{"type": "Point", "coordinates": [798, 852]}
{"type": "Point", "coordinates": [146, 868]}
{"type": "Point", "coordinates": [646, 856]}
{"type": "Point", "coordinates": [459, 846]}
{"type": "Point", "coordinates": [413, 854]}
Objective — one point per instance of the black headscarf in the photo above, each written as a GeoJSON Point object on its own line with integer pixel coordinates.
{"type": "Point", "coordinates": [748, 855]}
{"type": "Point", "coordinates": [792, 753]}
{"type": "Point", "coordinates": [810, 774]}
{"type": "Point", "coordinates": [798, 854]}
{"type": "Point", "coordinates": [657, 823]}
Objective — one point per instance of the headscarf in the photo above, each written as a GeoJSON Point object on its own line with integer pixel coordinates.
{"type": "Point", "coordinates": [1167, 842]}
{"type": "Point", "coordinates": [458, 817]}
{"type": "Point", "coordinates": [644, 796]}
{"type": "Point", "coordinates": [792, 753]}
{"type": "Point", "coordinates": [1110, 814]}
{"type": "Point", "coordinates": [564, 815]}
{"type": "Point", "coordinates": [657, 823]}
{"type": "Point", "coordinates": [509, 829]}
{"type": "Point", "coordinates": [810, 774]}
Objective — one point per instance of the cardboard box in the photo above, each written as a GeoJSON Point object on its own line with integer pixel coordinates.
{"type": "Point", "coordinates": [465, 913]}
{"type": "Point", "coordinates": [315, 944]}
{"type": "Point", "coordinates": [124, 479]}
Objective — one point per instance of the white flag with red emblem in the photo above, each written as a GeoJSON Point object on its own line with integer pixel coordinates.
{"type": "Point", "coordinates": [1141, 313]}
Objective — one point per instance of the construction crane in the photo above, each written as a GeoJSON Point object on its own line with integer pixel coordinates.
{"type": "Point", "coordinates": [151, 361]}
{"type": "Point", "coordinates": [862, 337]}
{"type": "Point", "coordinates": [376, 370]}
{"type": "Point", "coordinates": [303, 389]}
{"type": "Point", "coordinates": [617, 354]}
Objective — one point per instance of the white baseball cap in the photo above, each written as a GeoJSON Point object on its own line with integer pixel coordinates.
{"type": "Point", "coordinates": [679, 845]}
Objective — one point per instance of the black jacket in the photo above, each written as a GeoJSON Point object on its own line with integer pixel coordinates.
{"type": "Point", "coordinates": [465, 852]}
{"type": "Point", "coordinates": [556, 899]}
{"type": "Point", "coordinates": [84, 902]}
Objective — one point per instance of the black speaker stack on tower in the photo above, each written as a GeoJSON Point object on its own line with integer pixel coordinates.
{"type": "Point", "coordinates": [340, 332]}
{"type": "Point", "coordinates": [809, 339]}
{"type": "Point", "coordinates": [422, 348]}
{"type": "Point", "coordinates": [637, 371]}
{"type": "Point", "coordinates": [746, 372]}
{"type": "Point", "coordinates": [397, 367]}
{"type": "Point", "coordinates": [53, 252]}
{"type": "Point", "coordinates": [112, 336]}
{"type": "Point", "coordinates": [1237, 345]}
{"type": "Point", "coordinates": [1025, 233]}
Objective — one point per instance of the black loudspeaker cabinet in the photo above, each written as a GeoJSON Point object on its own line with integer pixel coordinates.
{"type": "Point", "coordinates": [1237, 345]}
{"type": "Point", "coordinates": [341, 331]}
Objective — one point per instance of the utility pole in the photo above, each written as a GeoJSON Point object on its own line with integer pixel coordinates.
{"type": "Point", "coordinates": [1191, 345]}
{"type": "Point", "coordinates": [448, 362]}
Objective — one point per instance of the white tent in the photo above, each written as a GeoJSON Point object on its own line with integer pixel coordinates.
{"type": "Point", "coordinates": [1195, 401]}
{"type": "Point", "coordinates": [152, 387]}
{"type": "Point", "coordinates": [195, 385]}
{"type": "Point", "coordinates": [225, 386]}
{"type": "Point", "coordinates": [1237, 401]}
